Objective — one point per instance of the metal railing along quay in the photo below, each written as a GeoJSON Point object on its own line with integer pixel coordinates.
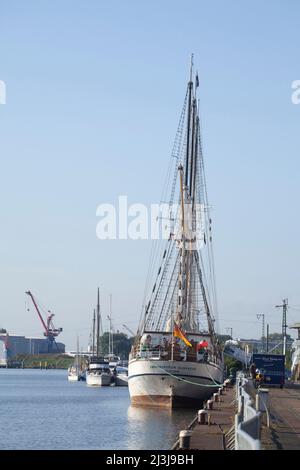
{"type": "Point", "coordinates": [208, 429]}
{"type": "Point", "coordinates": [240, 420]}
{"type": "Point", "coordinates": [247, 419]}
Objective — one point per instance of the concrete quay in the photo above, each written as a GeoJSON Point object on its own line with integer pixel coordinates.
{"type": "Point", "coordinates": [218, 422]}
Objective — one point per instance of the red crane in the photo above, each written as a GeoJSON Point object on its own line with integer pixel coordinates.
{"type": "Point", "coordinates": [50, 331]}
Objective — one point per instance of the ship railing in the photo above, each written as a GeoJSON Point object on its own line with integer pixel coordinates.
{"type": "Point", "coordinates": [149, 354]}
{"type": "Point", "coordinates": [167, 355]}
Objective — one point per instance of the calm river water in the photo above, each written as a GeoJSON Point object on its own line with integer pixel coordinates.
{"type": "Point", "coordinates": [40, 409]}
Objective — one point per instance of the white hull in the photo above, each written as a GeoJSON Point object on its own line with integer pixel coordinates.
{"type": "Point", "coordinates": [172, 383]}
{"type": "Point", "coordinates": [73, 378]}
{"type": "Point", "coordinates": [101, 380]}
{"type": "Point", "coordinates": [121, 380]}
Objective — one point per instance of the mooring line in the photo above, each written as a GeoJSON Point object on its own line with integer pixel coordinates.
{"type": "Point", "coordinates": [188, 381]}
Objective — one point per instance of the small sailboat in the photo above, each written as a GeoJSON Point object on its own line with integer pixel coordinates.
{"type": "Point", "coordinates": [111, 358]}
{"type": "Point", "coordinates": [75, 373]}
{"type": "Point", "coordinates": [98, 373]}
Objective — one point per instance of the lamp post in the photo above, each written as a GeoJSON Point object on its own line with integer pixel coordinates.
{"type": "Point", "coordinates": [246, 354]}
{"type": "Point", "coordinates": [262, 316]}
{"type": "Point", "coordinates": [230, 329]}
{"type": "Point", "coordinates": [284, 307]}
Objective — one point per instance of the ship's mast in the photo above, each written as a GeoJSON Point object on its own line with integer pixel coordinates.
{"type": "Point", "coordinates": [111, 334]}
{"type": "Point", "coordinates": [77, 355]}
{"type": "Point", "coordinates": [187, 198]}
{"type": "Point", "coordinates": [183, 272]}
{"type": "Point", "coordinates": [98, 325]}
{"type": "Point", "coordinates": [194, 110]}
{"type": "Point", "coordinates": [93, 339]}
{"type": "Point", "coordinates": [195, 163]}
{"type": "Point", "coordinates": [187, 158]}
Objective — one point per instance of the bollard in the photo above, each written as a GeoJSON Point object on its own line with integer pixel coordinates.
{"type": "Point", "coordinates": [185, 439]}
{"type": "Point", "coordinates": [225, 385]}
{"type": "Point", "coordinates": [216, 397]}
{"type": "Point", "coordinates": [221, 390]}
{"type": "Point", "coordinates": [202, 417]}
{"type": "Point", "coordinates": [209, 404]}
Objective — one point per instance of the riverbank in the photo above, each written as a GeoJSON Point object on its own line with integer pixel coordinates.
{"type": "Point", "coordinates": [41, 361]}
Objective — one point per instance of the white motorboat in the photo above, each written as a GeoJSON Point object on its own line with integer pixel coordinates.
{"type": "Point", "coordinates": [98, 373]}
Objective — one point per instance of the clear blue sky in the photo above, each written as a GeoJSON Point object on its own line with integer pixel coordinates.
{"type": "Point", "coordinates": [94, 92]}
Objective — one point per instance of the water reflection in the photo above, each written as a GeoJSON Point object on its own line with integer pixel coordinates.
{"type": "Point", "coordinates": [73, 416]}
{"type": "Point", "coordinates": [155, 428]}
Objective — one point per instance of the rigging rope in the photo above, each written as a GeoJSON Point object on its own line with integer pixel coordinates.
{"type": "Point", "coordinates": [157, 248]}
{"type": "Point", "coordinates": [158, 301]}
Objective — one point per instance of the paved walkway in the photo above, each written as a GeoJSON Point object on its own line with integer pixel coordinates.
{"type": "Point", "coordinates": [284, 432]}
{"type": "Point", "coordinates": [212, 436]}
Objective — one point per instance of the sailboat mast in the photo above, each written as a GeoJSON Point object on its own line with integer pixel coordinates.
{"type": "Point", "coordinates": [193, 195]}
{"type": "Point", "coordinates": [110, 325]}
{"type": "Point", "coordinates": [93, 339]}
{"type": "Point", "coordinates": [181, 273]}
{"type": "Point", "coordinates": [98, 324]}
{"type": "Point", "coordinates": [192, 166]}
{"type": "Point", "coordinates": [192, 222]}
{"type": "Point", "coordinates": [184, 278]}
{"type": "Point", "coordinates": [187, 158]}
{"type": "Point", "coordinates": [77, 354]}
{"type": "Point", "coordinates": [109, 336]}
{"type": "Point", "coordinates": [191, 199]}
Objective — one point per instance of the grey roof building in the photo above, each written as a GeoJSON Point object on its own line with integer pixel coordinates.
{"type": "Point", "coordinates": [11, 345]}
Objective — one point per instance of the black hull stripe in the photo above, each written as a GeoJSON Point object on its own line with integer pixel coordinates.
{"type": "Point", "coordinates": [182, 376]}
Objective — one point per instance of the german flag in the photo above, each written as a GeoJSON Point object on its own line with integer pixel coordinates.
{"type": "Point", "coordinates": [179, 334]}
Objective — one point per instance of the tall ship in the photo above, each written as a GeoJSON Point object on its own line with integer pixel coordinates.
{"type": "Point", "coordinates": [176, 359]}
{"type": "Point", "coordinates": [98, 373]}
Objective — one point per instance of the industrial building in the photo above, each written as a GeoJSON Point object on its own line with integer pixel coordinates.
{"type": "Point", "coordinates": [11, 345]}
